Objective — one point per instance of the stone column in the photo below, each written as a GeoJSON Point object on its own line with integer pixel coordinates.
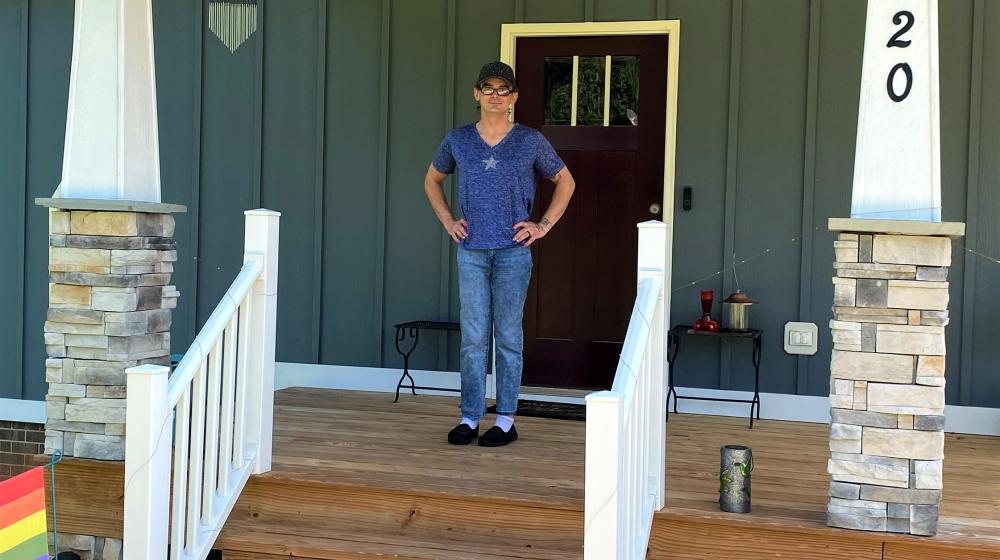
{"type": "Point", "coordinates": [110, 298]}
{"type": "Point", "coordinates": [887, 374]}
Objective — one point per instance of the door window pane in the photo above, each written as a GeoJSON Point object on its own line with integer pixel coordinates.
{"type": "Point", "coordinates": [624, 110]}
{"type": "Point", "coordinates": [558, 89]}
{"type": "Point", "coordinates": [590, 91]}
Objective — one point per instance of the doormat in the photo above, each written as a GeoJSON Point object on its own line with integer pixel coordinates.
{"type": "Point", "coordinates": [558, 411]}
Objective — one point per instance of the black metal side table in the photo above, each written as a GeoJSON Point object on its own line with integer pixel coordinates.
{"type": "Point", "coordinates": [674, 343]}
{"type": "Point", "coordinates": [411, 330]}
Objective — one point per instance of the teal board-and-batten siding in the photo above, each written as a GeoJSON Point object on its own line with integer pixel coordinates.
{"type": "Point", "coordinates": [331, 110]}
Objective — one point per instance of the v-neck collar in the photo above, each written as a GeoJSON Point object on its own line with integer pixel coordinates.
{"type": "Point", "coordinates": [475, 129]}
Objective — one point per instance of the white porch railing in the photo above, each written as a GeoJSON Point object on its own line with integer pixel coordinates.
{"type": "Point", "coordinates": [216, 409]}
{"type": "Point", "coordinates": [626, 426]}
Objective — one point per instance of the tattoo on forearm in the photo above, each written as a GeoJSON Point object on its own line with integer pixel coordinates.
{"type": "Point", "coordinates": [544, 225]}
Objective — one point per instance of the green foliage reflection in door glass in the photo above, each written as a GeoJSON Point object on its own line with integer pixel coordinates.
{"type": "Point", "coordinates": [558, 89]}
{"type": "Point", "coordinates": [624, 91]}
{"type": "Point", "coordinates": [590, 91]}
{"type": "Point", "coordinates": [623, 107]}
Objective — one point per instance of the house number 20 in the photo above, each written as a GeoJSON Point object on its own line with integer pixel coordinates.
{"type": "Point", "coordinates": [897, 41]}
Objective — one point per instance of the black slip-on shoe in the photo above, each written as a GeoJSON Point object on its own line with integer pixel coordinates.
{"type": "Point", "coordinates": [495, 437]}
{"type": "Point", "coordinates": [462, 434]}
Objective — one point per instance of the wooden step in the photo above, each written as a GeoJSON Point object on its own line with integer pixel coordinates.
{"type": "Point", "coordinates": [694, 534]}
{"type": "Point", "coordinates": [323, 521]}
{"type": "Point", "coordinates": [256, 544]}
{"type": "Point", "coordinates": [244, 555]}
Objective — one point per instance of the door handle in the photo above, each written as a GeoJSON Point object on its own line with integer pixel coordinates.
{"type": "Point", "coordinates": [654, 208]}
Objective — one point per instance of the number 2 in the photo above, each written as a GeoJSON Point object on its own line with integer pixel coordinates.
{"type": "Point", "coordinates": [895, 41]}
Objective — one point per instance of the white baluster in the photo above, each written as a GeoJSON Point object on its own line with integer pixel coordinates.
{"type": "Point", "coordinates": [228, 406]}
{"type": "Point", "coordinates": [658, 426]}
{"type": "Point", "coordinates": [196, 461]}
{"type": "Point", "coordinates": [182, 430]}
{"type": "Point", "coordinates": [242, 378]}
{"type": "Point", "coordinates": [642, 439]}
{"type": "Point", "coordinates": [212, 414]}
{"type": "Point", "coordinates": [632, 425]}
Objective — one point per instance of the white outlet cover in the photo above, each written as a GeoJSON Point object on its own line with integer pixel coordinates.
{"type": "Point", "coordinates": [801, 338]}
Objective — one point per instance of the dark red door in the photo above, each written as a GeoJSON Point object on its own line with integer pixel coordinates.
{"type": "Point", "coordinates": [584, 280]}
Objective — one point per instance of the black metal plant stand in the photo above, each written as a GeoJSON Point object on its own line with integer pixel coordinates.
{"type": "Point", "coordinates": [411, 330]}
{"type": "Point", "coordinates": [674, 341]}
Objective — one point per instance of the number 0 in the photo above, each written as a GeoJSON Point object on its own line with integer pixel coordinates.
{"type": "Point", "coordinates": [909, 82]}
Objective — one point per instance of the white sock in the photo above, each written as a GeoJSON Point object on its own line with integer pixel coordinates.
{"type": "Point", "coordinates": [505, 421]}
{"type": "Point", "coordinates": [470, 423]}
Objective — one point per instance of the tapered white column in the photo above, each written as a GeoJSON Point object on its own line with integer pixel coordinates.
{"type": "Point", "coordinates": [112, 146]}
{"type": "Point", "coordinates": [897, 164]}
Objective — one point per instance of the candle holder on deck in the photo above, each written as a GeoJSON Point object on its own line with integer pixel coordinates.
{"type": "Point", "coordinates": [735, 468]}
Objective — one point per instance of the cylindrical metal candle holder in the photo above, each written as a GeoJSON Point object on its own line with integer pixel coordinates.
{"type": "Point", "coordinates": [734, 478]}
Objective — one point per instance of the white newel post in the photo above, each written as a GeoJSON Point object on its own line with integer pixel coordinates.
{"type": "Point", "coordinates": [603, 537]}
{"type": "Point", "coordinates": [147, 463]}
{"type": "Point", "coordinates": [261, 243]}
{"type": "Point", "coordinates": [653, 237]}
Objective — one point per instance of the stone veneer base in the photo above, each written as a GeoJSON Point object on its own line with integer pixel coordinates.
{"type": "Point", "coordinates": [887, 374]}
{"type": "Point", "coordinates": [110, 302]}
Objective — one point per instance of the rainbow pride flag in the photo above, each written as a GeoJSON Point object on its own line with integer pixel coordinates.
{"type": "Point", "coordinates": [23, 533]}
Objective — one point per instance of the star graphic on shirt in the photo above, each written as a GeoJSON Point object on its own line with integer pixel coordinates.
{"type": "Point", "coordinates": [491, 163]}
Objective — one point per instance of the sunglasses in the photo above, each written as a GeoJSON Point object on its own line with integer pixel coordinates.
{"type": "Point", "coordinates": [502, 91]}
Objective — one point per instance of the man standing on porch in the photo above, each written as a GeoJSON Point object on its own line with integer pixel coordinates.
{"type": "Point", "coordinates": [497, 161]}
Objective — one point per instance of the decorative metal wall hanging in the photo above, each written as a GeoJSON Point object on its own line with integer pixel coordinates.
{"type": "Point", "coordinates": [232, 21]}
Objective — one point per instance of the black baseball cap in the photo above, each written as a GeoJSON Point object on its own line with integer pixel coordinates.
{"type": "Point", "coordinates": [499, 70]}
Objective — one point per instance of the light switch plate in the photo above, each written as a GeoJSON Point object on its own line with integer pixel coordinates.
{"type": "Point", "coordinates": [801, 338]}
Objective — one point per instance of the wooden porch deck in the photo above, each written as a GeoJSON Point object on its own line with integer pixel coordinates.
{"type": "Point", "coordinates": [355, 475]}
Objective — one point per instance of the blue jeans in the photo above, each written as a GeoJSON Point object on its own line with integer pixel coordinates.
{"type": "Point", "coordinates": [492, 285]}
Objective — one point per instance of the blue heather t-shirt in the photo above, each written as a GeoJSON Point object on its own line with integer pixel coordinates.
{"type": "Point", "coordinates": [496, 185]}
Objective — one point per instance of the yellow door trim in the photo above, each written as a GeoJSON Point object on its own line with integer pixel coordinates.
{"type": "Point", "coordinates": [510, 32]}
{"type": "Point", "coordinates": [607, 90]}
{"type": "Point", "coordinates": [573, 98]}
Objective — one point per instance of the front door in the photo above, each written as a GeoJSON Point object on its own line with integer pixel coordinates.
{"type": "Point", "coordinates": [584, 281]}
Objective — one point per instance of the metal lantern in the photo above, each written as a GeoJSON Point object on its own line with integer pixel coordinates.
{"type": "Point", "coordinates": [736, 312]}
